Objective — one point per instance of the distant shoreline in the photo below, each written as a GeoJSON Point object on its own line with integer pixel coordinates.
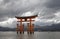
{"type": "Point", "coordinates": [34, 31]}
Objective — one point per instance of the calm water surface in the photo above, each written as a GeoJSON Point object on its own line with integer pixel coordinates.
{"type": "Point", "coordinates": [36, 35]}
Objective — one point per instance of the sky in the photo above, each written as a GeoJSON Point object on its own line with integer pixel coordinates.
{"type": "Point", "coordinates": [48, 11]}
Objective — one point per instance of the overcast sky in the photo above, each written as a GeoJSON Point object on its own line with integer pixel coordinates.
{"type": "Point", "coordinates": [48, 11]}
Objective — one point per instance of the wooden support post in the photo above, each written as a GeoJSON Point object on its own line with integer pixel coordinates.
{"type": "Point", "coordinates": [30, 26]}
{"type": "Point", "coordinates": [21, 27]}
{"type": "Point", "coordinates": [17, 29]}
{"type": "Point", "coordinates": [21, 22]}
{"type": "Point", "coordinates": [30, 21]}
{"type": "Point", "coordinates": [33, 28]}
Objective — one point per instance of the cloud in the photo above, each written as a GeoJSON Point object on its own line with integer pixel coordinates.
{"type": "Point", "coordinates": [46, 9]}
{"type": "Point", "coordinates": [11, 23]}
{"type": "Point", "coordinates": [11, 8]}
{"type": "Point", "coordinates": [53, 4]}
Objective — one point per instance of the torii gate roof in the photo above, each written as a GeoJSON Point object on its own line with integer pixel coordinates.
{"type": "Point", "coordinates": [26, 17]}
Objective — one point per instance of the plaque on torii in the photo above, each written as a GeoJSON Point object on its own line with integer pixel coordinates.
{"type": "Point", "coordinates": [25, 19]}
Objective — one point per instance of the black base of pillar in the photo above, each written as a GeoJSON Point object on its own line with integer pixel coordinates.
{"type": "Point", "coordinates": [21, 32]}
{"type": "Point", "coordinates": [30, 32]}
{"type": "Point", "coordinates": [17, 32]}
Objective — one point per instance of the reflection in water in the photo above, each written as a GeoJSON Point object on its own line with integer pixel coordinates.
{"type": "Point", "coordinates": [36, 35]}
{"type": "Point", "coordinates": [25, 36]}
{"type": "Point", "coordinates": [31, 36]}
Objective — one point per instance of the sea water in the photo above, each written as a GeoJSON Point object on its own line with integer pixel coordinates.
{"type": "Point", "coordinates": [36, 35]}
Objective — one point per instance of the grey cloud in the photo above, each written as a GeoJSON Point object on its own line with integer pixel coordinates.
{"type": "Point", "coordinates": [16, 7]}
{"type": "Point", "coordinates": [53, 4]}
{"type": "Point", "coordinates": [11, 8]}
{"type": "Point", "coordinates": [52, 7]}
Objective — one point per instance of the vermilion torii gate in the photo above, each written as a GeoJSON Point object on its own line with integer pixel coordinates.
{"type": "Point", "coordinates": [29, 25]}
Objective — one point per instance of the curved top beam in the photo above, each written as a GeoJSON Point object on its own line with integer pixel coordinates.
{"type": "Point", "coordinates": [27, 17]}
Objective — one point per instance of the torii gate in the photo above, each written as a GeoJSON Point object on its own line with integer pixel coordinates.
{"type": "Point", "coordinates": [30, 26]}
